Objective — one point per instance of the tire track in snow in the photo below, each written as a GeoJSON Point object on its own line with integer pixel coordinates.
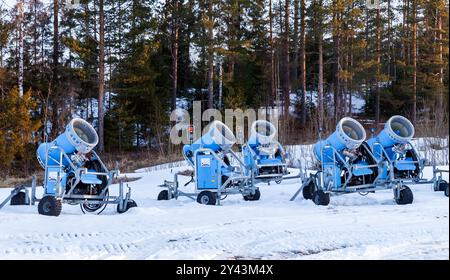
{"type": "Point", "coordinates": [247, 243]}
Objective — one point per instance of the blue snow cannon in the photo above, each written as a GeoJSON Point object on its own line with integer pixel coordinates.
{"type": "Point", "coordinates": [346, 164]}
{"type": "Point", "coordinates": [214, 173]}
{"type": "Point", "coordinates": [392, 147]}
{"type": "Point", "coordinates": [75, 174]}
{"type": "Point", "coordinates": [218, 138]}
{"type": "Point", "coordinates": [348, 136]}
{"type": "Point", "coordinates": [79, 137]}
{"type": "Point", "coordinates": [263, 155]}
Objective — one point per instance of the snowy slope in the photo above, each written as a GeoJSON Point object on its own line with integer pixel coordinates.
{"type": "Point", "coordinates": [351, 227]}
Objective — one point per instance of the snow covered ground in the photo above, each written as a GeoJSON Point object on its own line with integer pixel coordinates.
{"type": "Point", "coordinates": [351, 227]}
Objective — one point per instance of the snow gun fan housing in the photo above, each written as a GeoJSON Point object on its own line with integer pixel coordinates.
{"type": "Point", "coordinates": [263, 154]}
{"type": "Point", "coordinates": [74, 173]}
{"type": "Point", "coordinates": [218, 138]}
{"type": "Point", "coordinates": [397, 130]}
{"type": "Point", "coordinates": [79, 138]}
{"type": "Point", "coordinates": [349, 135]}
{"type": "Point", "coordinates": [392, 147]}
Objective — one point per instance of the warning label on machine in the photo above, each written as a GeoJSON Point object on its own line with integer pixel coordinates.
{"type": "Point", "coordinates": [205, 162]}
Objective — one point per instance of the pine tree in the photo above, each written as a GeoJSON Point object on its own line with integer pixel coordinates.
{"type": "Point", "coordinates": [17, 129]}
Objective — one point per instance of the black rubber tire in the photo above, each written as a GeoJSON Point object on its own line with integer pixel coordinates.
{"type": "Point", "coordinates": [308, 191]}
{"type": "Point", "coordinates": [321, 198]}
{"type": "Point", "coordinates": [446, 192]}
{"type": "Point", "coordinates": [443, 185]}
{"type": "Point", "coordinates": [90, 208]}
{"type": "Point", "coordinates": [163, 195]}
{"type": "Point", "coordinates": [207, 198]}
{"type": "Point", "coordinates": [406, 196]}
{"type": "Point", "coordinates": [253, 197]}
{"type": "Point", "coordinates": [49, 206]}
{"type": "Point", "coordinates": [19, 199]}
{"type": "Point", "coordinates": [130, 204]}
{"type": "Point", "coordinates": [278, 181]}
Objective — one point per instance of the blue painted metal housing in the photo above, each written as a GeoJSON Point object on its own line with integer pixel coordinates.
{"type": "Point", "coordinates": [218, 138]}
{"type": "Point", "coordinates": [392, 147]}
{"type": "Point", "coordinates": [262, 154]}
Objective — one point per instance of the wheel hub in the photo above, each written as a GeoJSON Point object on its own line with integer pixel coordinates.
{"type": "Point", "coordinates": [204, 199]}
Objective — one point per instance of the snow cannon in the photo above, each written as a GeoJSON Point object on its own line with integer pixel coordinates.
{"type": "Point", "coordinates": [218, 138]}
{"type": "Point", "coordinates": [397, 130]}
{"type": "Point", "coordinates": [392, 147]}
{"type": "Point", "coordinates": [264, 155]}
{"type": "Point", "coordinates": [79, 138]}
{"type": "Point", "coordinates": [349, 135]}
{"type": "Point", "coordinates": [262, 133]}
{"type": "Point", "coordinates": [217, 170]}
{"type": "Point", "coordinates": [75, 174]}
{"type": "Point", "coordinates": [346, 164]}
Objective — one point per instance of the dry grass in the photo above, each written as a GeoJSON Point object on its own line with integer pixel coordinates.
{"type": "Point", "coordinates": [9, 182]}
{"type": "Point", "coordinates": [125, 162]}
{"type": "Point", "coordinates": [129, 162]}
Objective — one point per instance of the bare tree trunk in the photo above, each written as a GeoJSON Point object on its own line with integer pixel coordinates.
{"type": "Point", "coordinates": [210, 56]}
{"type": "Point", "coordinates": [337, 50]}
{"type": "Point", "coordinates": [20, 25]}
{"type": "Point", "coordinates": [408, 31]}
{"type": "Point", "coordinates": [366, 54]}
{"type": "Point", "coordinates": [295, 46]}
{"type": "Point", "coordinates": [378, 74]}
{"type": "Point", "coordinates": [220, 86]}
{"type": "Point", "coordinates": [272, 57]}
{"type": "Point", "coordinates": [54, 81]}
{"type": "Point", "coordinates": [175, 34]}
{"type": "Point", "coordinates": [35, 35]}
{"type": "Point", "coordinates": [389, 34]}
{"type": "Point", "coordinates": [404, 20]}
{"type": "Point", "coordinates": [303, 60]}
{"type": "Point", "coordinates": [345, 79]}
{"type": "Point", "coordinates": [101, 77]}
{"type": "Point", "coordinates": [441, 61]}
{"type": "Point", "coordinates": [234, 28]}
{"type": "Point", "coordinates": [286, 80]}
{"type": "Point", "coordinates": [351, 79]}
{"type": "Point", "coordinates": [320, 82]}
{"type": "Point", "coordinates": [55, 40]}
{"type": "Point", "coordinates": [414, 62]}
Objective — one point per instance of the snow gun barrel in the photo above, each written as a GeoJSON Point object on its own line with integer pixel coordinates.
{"type": "Point", "coordinates": [261, 133]}
{"type": "Point", "coordinates": [217, 138]}
{"type": "Point", "coordinates": [79, 137]}
{"type": "Point", "coordinates": [349, 134]}
{"type": "Point", "coordinates": [397, 130]}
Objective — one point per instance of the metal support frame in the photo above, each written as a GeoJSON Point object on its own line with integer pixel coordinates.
{"type": "Point", "coordinates": [268, 177]}
{"type": "Point", "coordinates": [67, 195]}
{"type": "Point", "coordinates": [245, 185]}
{"type": "Point", "coordinates": [391, 165]}
{"type": "Point", "coordinates": [350, 167]}
{"type": "Point", "coordinates": [437, 177]}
